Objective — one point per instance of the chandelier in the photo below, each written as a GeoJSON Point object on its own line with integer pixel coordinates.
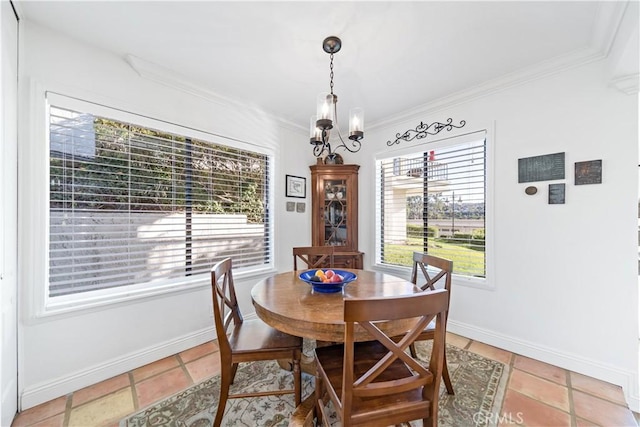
{"type": "Point", "coordinates": [326, 118]}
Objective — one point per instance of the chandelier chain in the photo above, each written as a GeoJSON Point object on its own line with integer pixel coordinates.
{"type": "Point", "coordinates": [331, 73]}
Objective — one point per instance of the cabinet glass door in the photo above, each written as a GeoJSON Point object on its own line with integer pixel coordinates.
{"type": "Point", "coordinates": [335, 212]}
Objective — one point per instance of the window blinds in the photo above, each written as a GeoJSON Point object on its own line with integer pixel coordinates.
{"type": "Point", "coordinates": [434, 201]}
{"type": "Point", "coordinates": [131, 205]}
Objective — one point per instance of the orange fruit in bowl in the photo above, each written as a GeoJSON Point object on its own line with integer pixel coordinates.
{"type": "Point", "coordinates": [320, 274]}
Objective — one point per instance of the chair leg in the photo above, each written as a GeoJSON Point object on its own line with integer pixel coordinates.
{"type": "Point", "coordinates": [297, 379]}
{"type": "Point", "coordinates": [318, 391]}
{"type": "Point", "coordinates": [446, 378]}
{"type": "Point", "coordinates": [234, 369]}
{"type": "Point", "coordinates": [225, 382]}
{"type": "Point", "coordinates": [412, 349]}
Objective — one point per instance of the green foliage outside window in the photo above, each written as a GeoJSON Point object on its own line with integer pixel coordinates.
{"type": "Point", "coordinates": [140, 169]}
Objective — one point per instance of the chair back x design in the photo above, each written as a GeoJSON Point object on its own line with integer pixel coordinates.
{"type": "Point", "coordinates": [313, 256]}
{"type": "Point", "coordinates": [246, 341]}
{"type": "Point", "coordinates": [376, 383]}
{"type": "Point", "coordinates": [438, 278]}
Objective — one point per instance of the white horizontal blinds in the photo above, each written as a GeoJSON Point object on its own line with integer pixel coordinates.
{"type": "Point", "coordinates": [434, 201]}
{"type": "Point", "coordinates": [131, 205]}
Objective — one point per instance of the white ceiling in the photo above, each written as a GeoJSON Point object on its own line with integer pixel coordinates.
{"type": "Point", "coordinates": [395, 55]}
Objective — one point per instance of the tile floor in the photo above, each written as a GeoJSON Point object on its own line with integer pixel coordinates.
{"type": "Point", "coordinates": [538, 394]}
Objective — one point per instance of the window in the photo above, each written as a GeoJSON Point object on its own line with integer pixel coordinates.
{"type": "Point", "coordinates": [433, 200]}
{"type": "Point", "coordinates": [133, 205]}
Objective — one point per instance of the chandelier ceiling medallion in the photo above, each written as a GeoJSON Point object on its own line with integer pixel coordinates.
{"type": "Point", "coordinates": [326, 117]}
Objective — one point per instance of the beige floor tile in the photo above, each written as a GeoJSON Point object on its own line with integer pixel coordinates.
{"type": "Point", "coordinates": [598, 388]}
{"type": "Point", "coordinates": [541, 369]}
{"type": "Point", "coordinates": [204, 368]}
{"type": "Point", "coordinates": [491, 352]}
{"type": "Point", "coordinates": [199, 351]}
{"type": "Point", "coordinates": [106, 409]}
{"type": "Point", "coordinates": [154, 368]}
{"type": "Point", "coordinates": [161, 386]}
{"type": "Point", "coordinates": [523, 410]}
{"type": "Point", "coordinates": [40, 412]}
{"type": "Point", "coordinates": [540, 389]}
{"type": "Point", "coordinates": [457, 340]}
{"type": "Point", "coordinates": [100, 389]}
{"type": "Point", "coordinates": [602, 412]}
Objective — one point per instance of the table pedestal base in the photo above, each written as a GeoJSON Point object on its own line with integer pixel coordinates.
{"type": "Point", "coordinates": [307, 364]}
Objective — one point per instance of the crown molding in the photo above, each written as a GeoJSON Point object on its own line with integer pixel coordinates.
{"type": "Point", "coordinates": [541, 70]}
{"type": "Point", "coordinates": [159, 74]}
{"type": "Point", "coordinates": [606, 24]}
{"type": "Point", "coordinates": [607, 21]}
{"type": "Point", "coordinates": [629, 85]}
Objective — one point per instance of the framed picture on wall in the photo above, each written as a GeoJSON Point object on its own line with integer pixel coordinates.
{"type": "Point", "coordinates": [296, 186]}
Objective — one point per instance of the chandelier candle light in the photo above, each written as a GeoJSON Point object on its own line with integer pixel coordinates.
{"type": "Point", "coordinates": [326, 117]}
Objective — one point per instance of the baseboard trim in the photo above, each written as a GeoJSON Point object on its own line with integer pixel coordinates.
{"type": "Point", "coordinates": [573, 362]}
{"type": "Point", "coordinates": [43, 392]}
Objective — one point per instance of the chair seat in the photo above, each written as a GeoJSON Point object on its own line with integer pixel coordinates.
{"type": "Point", "coordinates": [252, 335]}
{"type": "Point", "coordinates": [366, 355]}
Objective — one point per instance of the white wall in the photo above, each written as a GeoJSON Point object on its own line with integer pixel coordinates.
{"type": "Point", "coordinates": [63, 353]}
{"type": "Point", "coordinates": [565, 288]}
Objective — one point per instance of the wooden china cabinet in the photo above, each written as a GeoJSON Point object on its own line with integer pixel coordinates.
{"type": "Point", "coordinates": [334, 207]}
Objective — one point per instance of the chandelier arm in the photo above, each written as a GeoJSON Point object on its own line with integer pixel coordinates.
{"type": "Point", "coordinates": [318, 150]}
{"type": "Point", "coordinates": [353, 146]}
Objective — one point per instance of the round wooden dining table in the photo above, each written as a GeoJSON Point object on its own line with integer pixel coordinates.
{"type": "Point", "coordinates": [290, 305]}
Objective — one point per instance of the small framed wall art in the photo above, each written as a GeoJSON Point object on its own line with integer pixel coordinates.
{"type": "Point", "coordinates": [556, 194]}
{"type": "Point", "coordinates": [589, 172]}
{"type": "Point", "coordinates": [296, 186]}
{"type": "Point", "coordinates": [541, 168]}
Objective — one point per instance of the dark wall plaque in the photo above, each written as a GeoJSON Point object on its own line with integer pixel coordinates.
{"type": "Point", "coordinates": [589, 172]}
{"type": "Point", "coordinates": [541, 168]}
{"type": "Point", "coordinates": [556, 194]}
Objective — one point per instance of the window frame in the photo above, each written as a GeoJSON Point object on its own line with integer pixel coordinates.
{"type": "Point", "coordinates": [458, 136]}
{"type": "Point", "coordinates": [40, 303]}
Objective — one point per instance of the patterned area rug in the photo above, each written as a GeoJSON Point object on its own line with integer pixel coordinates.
{"type": "Point", "coordinates": [479, 384]}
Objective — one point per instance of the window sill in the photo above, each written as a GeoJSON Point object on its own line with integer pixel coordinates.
{"type": "Point", "coordinates": [457, 280]}
{"type": "Point", "coordinates": [108, 298]}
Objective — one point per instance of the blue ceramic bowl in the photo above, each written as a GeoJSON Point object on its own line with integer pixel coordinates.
{"type": "Point", "coordinates": [327, 287]}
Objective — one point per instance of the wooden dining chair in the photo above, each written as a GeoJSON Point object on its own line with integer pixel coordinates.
{"type": "Point", "coordinates": [376, 383]}
{"type": "Point", "coordinates": [438, 278]}
{"type": "Point", "coordinates": [246, 341]}
{"type": "Point", "coordinates": [313, 256]}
